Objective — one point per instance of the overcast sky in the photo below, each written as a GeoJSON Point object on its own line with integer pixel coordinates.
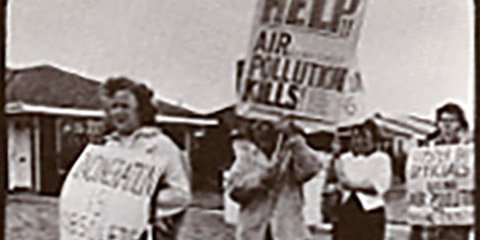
{"type": "Point", "coordinates": [414, 55]}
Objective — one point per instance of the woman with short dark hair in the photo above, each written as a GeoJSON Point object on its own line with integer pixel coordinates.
{"type": "Point", "coordinates": [143, 96]}
{"type": "Point", "coordinates": [130, 115]}
{"type": "Point", "coordinates": [364, 175]}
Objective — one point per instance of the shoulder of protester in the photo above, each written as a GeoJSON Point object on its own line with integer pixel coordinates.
{"type": "Point", "coordinates": [468, 137]}
{"type": "Point", "coordinates": [139, 134]}
{"type": "Point", "coordinates": [148, 133]}
{"type": "Point", "coordinates": [243, 145]}
{"type": "Point", "coordinates": [153, 136]}
{"type": "Point", "coordinates": [295, 140]}
{"type": "Point", "coordinates": [381, 154]}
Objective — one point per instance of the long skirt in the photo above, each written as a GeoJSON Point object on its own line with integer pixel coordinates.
{"type": "Point", "coordinates": [354, 223]}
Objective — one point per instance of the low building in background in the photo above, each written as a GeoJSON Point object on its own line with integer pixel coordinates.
{"type": "Point", "coordinates": [51, 116]}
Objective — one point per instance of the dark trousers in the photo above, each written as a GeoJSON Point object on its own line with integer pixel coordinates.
{"type": "Point", "coordinates": [354, 223]}
{"type": "Point", "coordinates": [174, 225]}
{"type": "Point", "coordinates": [440, 233]}
{"type": "Point", "coordinates": [268, 233]}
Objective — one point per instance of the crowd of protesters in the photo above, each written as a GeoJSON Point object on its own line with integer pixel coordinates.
{"type": "Point", "coordinates": [272, 162]}
{"type": "Point", "coordinates": [358, 178]}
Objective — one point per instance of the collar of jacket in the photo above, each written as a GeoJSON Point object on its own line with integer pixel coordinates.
{"type": "Point", "coordinates": [142, 132]}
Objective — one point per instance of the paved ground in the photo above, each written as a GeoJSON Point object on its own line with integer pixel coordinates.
{"type": "Point", "coordinates": [36, 218]}
{"type": "Point", "coordinates": [31, 217]}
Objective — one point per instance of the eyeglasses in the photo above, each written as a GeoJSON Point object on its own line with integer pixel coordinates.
{"type": "Point", "coordinates": [448, 120]}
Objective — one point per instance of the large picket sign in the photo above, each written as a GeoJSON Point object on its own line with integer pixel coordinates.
{"type": "Point", "coordinates": [107, 194]}
{"type": "Point", "coordinates": [440, 182]}
{"type": "Point", "coordinates": [301, 61]}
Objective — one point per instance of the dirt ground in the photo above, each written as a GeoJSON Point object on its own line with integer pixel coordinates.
{"type": "Point", "coordinates": [34, 217]}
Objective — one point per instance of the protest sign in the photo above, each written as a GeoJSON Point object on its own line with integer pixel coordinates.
{"type": "Point", "coordinates": [440, 183]}
{"type": "Point", "coordinates": [107, 194]}
{"type": "Point", "coordinates": [301, 61]}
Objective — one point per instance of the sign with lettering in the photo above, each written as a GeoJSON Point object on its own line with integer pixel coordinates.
{"type": "Point", "coordinates": [301, 61]}
{"type": "Point", "coordinates": [440, 183]}
{"type": "Point", "coordinates": [107, 194]}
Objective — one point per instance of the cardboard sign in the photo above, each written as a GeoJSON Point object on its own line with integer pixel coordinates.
{"type": "Point", "coordinates": [440, 182]}
{"type": "Point", "coordinates": [107, 194]}
{"type": "Point", "coordinates": [301, 61]}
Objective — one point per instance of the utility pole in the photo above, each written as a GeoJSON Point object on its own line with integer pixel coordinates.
{"type": "Point", "coordinates": [3, 125]}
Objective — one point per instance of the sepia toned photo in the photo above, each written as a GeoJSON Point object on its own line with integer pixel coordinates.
{"type": "Point", "coordinates": [239, 120]}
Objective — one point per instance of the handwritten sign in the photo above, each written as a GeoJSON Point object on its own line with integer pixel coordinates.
{"type": "Point", "coordinates": [440, 184]}
{"type": "Point", "coordinates": [107, 194]}
{"type": "Point", "coordinates": [301, 61]}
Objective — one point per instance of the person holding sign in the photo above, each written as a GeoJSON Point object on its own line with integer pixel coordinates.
{"type": "Point", "coordinates": [452, 126]}
{"type": "Point", "coordinates": [133, 185]}
{"type": "Point", "coordinates": [364, 175]}
{"type": "Point", "coordinates": [452, 129]}
{"type": "Point", "coordinates": [266, 180]}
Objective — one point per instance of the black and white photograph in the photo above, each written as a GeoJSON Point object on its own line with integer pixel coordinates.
{"type": "Point", "coordinates": [239, 120]}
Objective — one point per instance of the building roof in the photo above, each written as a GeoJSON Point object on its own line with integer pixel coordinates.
{"type": "Point", "coordinates": [405, 125]}
{"type": "Point", "coordinates": [169, 109]}
{"type": "Point", "coordinates": [49, 86]}
{"type": "Point", "coordinates": [13, 108]}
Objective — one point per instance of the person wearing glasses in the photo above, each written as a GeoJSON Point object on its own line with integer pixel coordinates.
{"type": "Point", "coordinates": [452, 129]}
